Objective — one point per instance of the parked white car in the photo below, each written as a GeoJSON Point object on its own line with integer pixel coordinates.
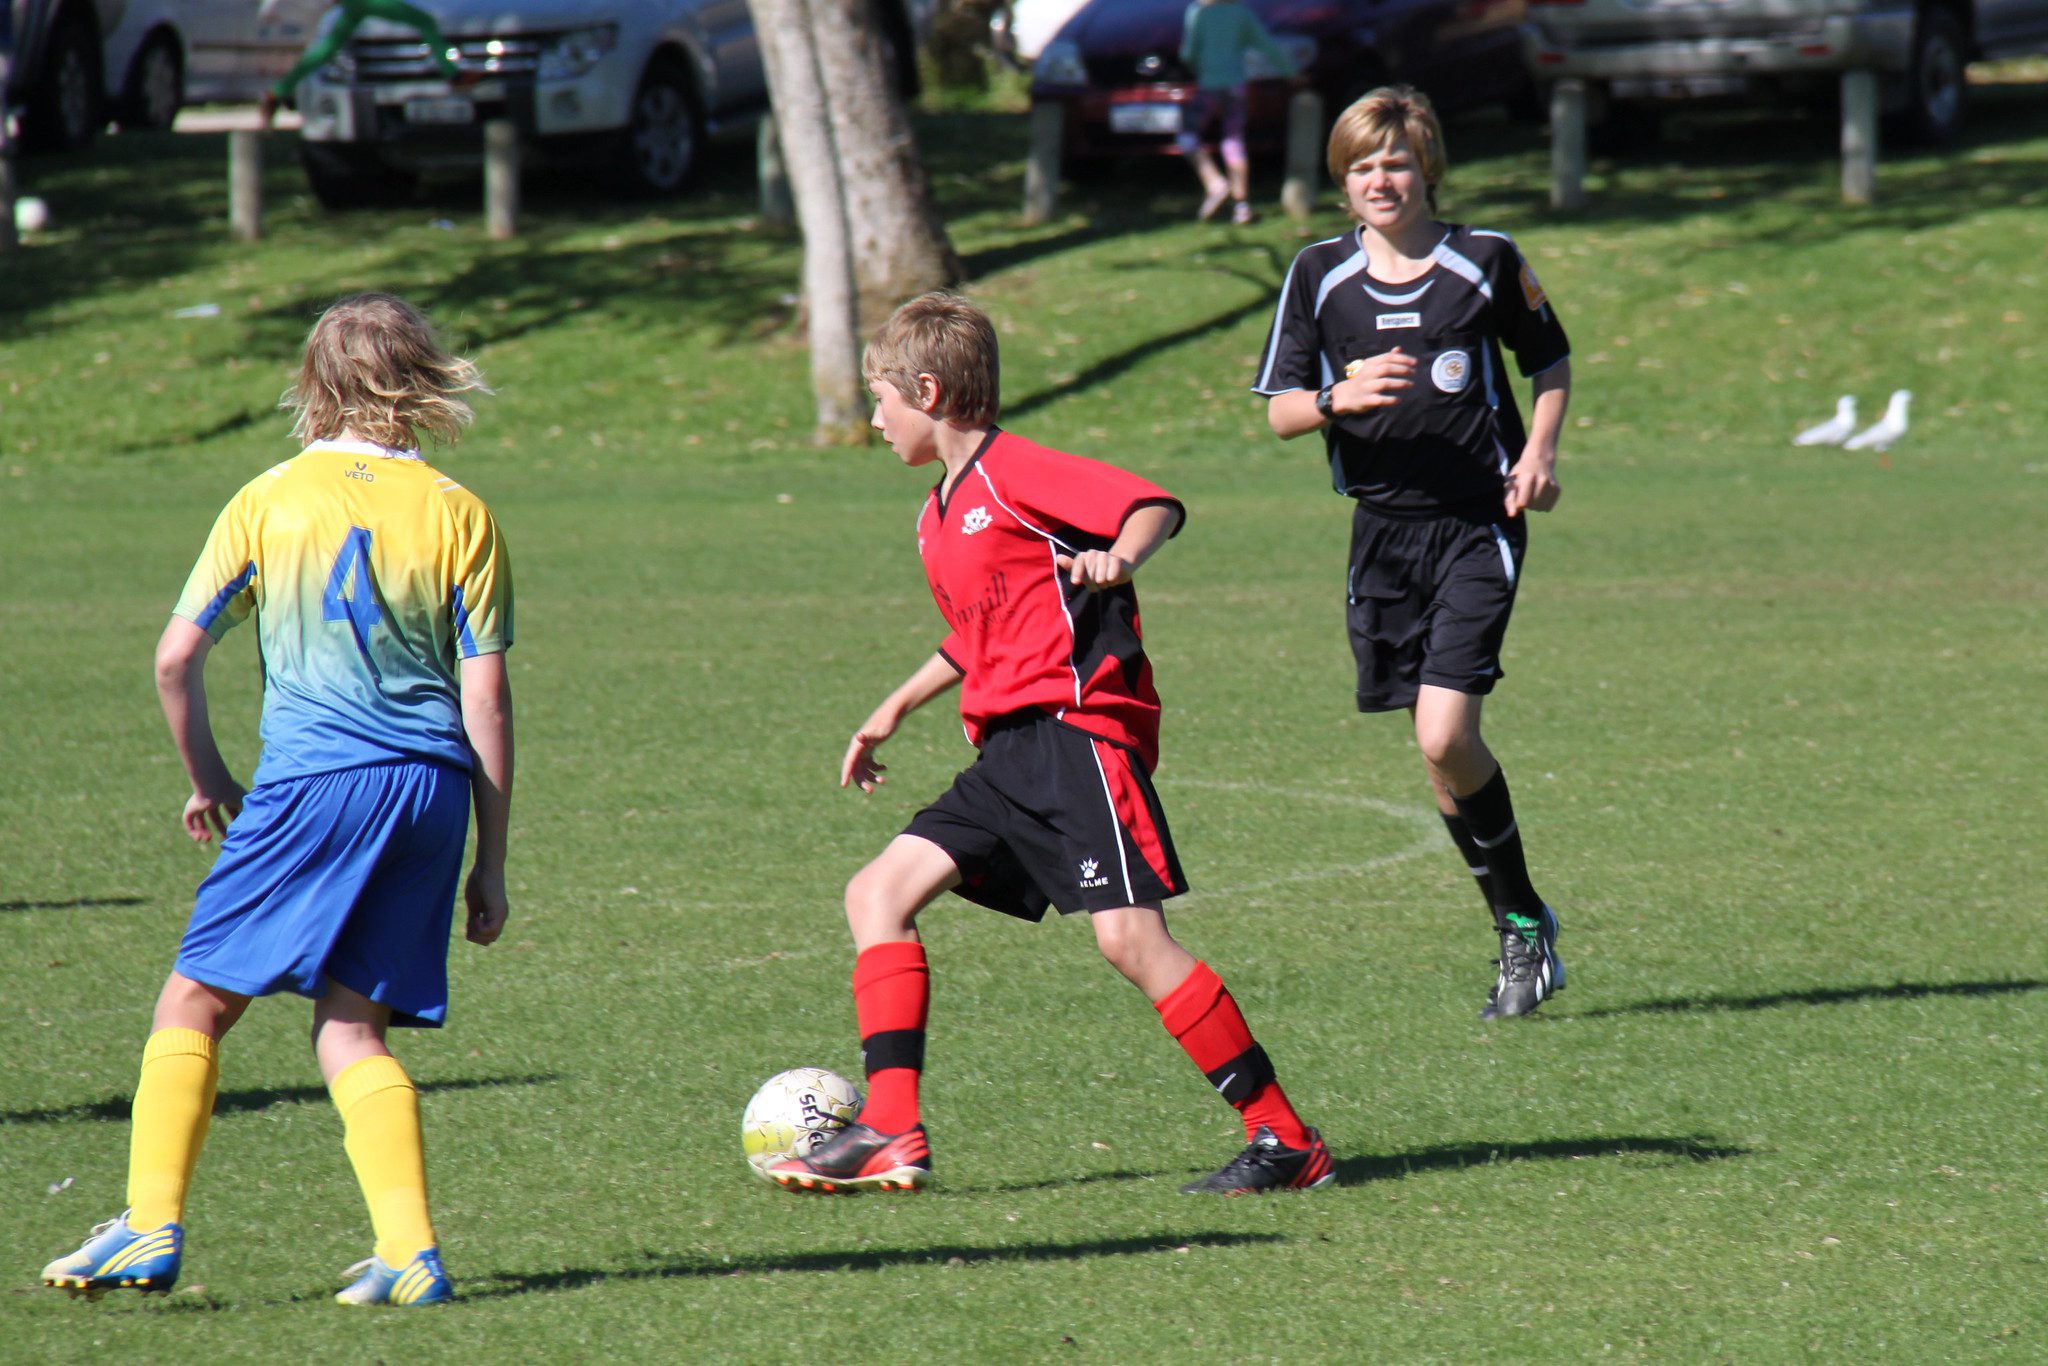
{"type": "Point", "coordinates": [629, 88]}
{"type": "Point", "coordinates": [80, 63]}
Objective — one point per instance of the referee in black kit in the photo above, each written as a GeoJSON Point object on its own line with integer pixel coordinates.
{"type": "Point", "coordinates": [1389, 340]}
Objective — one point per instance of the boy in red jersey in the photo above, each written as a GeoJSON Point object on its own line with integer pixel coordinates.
{"type": "Point", "coordinates": [1030, 554]}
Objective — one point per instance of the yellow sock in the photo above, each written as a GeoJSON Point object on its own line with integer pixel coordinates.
{"type": "Point", "coordinates": [380, 1116]}
{"type": "Point", "coordinates": [173, 1106]}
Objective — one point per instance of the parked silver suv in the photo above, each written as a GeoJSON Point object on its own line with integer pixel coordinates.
{"type": "Point", "coordinates": [1679, 49]}
{"type": "Point", "coordinates": [628, 88]}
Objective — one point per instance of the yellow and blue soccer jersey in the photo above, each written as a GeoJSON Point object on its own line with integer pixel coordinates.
{"type": "Point", "coordinates": [372, 575]}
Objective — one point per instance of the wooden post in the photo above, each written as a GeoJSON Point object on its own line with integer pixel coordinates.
{"type": "Point", "coordinates": [9, 240]}
{"type": "Point", "coordinates": [1859, 136]}
{"type": "Point", "coordinates": [778, 210]}
{"type": "Point", "coordinates": [1304, 155]}
{"type": "Point", "coordinates": [501, 179]}
{"type": "Point", "coordinates": [1568, 145]}
{"type": "Point", "coordinates": [1042, 168]}
{"type": "Point", "coordinates": [245, 184]}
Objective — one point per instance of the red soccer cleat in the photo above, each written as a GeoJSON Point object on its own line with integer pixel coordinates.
{"type": "Point", "coordinates": [857, 1159]}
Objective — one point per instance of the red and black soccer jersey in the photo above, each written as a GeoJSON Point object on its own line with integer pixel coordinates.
{"type": "Point", "coordinates": [1446, 445]}
{"type": "Point", "coordinates": [1022, 635]}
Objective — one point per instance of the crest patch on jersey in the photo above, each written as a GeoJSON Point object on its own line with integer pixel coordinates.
{"type": "Point", "coordinates": [977, 519]}
{"type": "Point", "coordinates": [1532, 292]}
{"type": "Point", "coordinates": [1451, 371]}
{"type": "Point", "coordinates": [1393, 320]}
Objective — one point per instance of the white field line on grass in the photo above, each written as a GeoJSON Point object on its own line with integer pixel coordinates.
{"type": "Point", "coordinates": [1427, 839]}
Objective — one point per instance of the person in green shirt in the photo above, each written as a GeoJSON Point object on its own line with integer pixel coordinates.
{"type": "Point", "coordinates": [353, 12]}
{"type": "Point", "coordinates": [1214, 39]}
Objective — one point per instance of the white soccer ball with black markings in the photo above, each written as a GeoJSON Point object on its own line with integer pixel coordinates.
{"type": "Point", "coordinates": [793, 1113]}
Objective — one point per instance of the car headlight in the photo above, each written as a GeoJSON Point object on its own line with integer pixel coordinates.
{"type": "Point", "coordinates": [573, 53]}
{"type": "Point", "coordinates": [1060, 64]}
{"type": "Point", "coordinates": [1300, 49]}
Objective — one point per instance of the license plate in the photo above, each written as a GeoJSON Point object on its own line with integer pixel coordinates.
{"type": "Point", "coordinates": [440, 111]}
{"type": "Point", "coordinates": [1144, 118]}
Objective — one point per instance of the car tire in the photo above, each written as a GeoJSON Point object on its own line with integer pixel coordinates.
{"type": "Point", "coordinates": [68, 106]}
{"type": "Point", "coordinates": [662, 145]}
{"type": "Point", "coordinates": [155, 88]}
{"type": "Point", "coordinates": [343, 177]}
{"type": "Point", "coordinates": [1936, 81]}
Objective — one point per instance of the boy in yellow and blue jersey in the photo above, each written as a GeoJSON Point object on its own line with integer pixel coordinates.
{"type": "Point", "coordinates": [383, 600]}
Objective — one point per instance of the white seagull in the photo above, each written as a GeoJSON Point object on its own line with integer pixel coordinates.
{"type": "Point", "coordinates": [1835, 430]}
{"type": "Point", "coordinates": [1887, 429]}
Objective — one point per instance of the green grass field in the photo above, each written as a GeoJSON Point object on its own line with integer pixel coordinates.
{"type": "Point", "coordinates": [1774, 721]}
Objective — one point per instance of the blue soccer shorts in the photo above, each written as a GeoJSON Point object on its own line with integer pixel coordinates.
{"type": "Point", "coordinates": [350, 875]}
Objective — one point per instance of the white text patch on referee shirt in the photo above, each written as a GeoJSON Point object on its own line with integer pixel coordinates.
{"type": "Point", "coordinates": [1391, 320]}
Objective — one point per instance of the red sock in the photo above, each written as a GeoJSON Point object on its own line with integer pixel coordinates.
{"type": "Point", "coordinates": [891, 996]}
{"type": "Point", "coordinates": [1205, 1021]}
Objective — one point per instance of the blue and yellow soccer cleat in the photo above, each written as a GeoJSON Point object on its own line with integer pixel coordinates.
{"type": "Point", "coordinates": [116, 1257]}
{"type": "Point", "coordinates": [421, 1281]}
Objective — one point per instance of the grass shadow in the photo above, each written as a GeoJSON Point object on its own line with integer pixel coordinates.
{"type": "Point", "coordinates": [1817, 996]}
{"type": "Point", "coordinates": [1112, 367]}
{"type": "Point", "coordinates": [253, 1099]}
{"type": "Point", "coordinates": [1054, 1183]}
{"type": "Point", "coordinates": [1355, 1171]}
{"type": "Point", "coordinates": [77, 903]}
{"type": "Point", "coordinates": [659, 1266]}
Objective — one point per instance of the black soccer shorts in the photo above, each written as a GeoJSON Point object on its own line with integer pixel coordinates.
{"type": "Point", "coordinates": [1429, 602]}
{"type": "Point", "coordinates": [1050, 815]}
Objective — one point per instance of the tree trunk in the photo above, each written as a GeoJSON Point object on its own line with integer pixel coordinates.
{"type": "Point", "coordinates": [959, 43]}
{"type": "Point", "coordinates": [789, 57]}
{"type": "Point", "coordinates": [900, 248]}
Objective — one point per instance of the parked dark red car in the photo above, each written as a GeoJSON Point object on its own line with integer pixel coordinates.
{"type": "Point", "coordinates": [1116, 65]}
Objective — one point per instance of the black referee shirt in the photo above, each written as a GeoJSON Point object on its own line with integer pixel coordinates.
{"type": "Point", "coordinates": [1447, 444]}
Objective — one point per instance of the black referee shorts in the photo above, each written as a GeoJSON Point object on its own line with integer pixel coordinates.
{"type": "Point", "coordinates": [1429, 602]}
{"type": "Point", "coordinates": [1050, 815]}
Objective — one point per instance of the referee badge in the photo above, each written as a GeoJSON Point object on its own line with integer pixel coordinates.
{"type": "Point", "coordinates": [1451, 371]}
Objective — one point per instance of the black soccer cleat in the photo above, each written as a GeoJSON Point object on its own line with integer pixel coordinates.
{"type": "Point", "coordinates": [857, 1159]}
{"type": "Point", "coordinates": [1530, 970]}
{"type": "Point", "coordinates": [1265, 1165]}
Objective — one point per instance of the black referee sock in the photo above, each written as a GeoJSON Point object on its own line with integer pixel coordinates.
{"type": "Point", "coordinates": [1489, 816]}
{"type": "Point", "coordinates": [1475, 860]}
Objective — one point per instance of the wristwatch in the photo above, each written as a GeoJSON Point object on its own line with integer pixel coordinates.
{"type": "Point", "coordinates": [1325, 404]}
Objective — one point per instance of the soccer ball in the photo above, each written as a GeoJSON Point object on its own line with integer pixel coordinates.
{"type": "Point", "coordinates": [793, 1113]}
{"type": "Point", "coordinates": [30, 214]}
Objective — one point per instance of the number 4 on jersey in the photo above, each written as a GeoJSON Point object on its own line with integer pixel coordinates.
{"type": "Point", "coordinates": [351, 592]}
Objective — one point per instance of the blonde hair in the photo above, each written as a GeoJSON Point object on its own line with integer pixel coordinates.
{"type": "Point", "coordinates": [944, 336]}
{"type": "Point", "coordinates": [374, 367]}
{"type": "Point", "coordinates": [1379, 116]}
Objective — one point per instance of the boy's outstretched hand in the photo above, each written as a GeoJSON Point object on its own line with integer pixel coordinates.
{"type": "Point", "coordinates": [1095, 569]}
{"type": "Point", "coordinates": [860, 768]}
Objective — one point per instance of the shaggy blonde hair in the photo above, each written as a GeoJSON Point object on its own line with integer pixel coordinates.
{"type": "Point", "coordinates": [1379, 116]}
{"type": "Point", "coordinates": [948, 338]}
{"type": "Point", "coordinates": [374, 367]}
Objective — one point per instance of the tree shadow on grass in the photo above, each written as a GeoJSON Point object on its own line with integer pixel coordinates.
{"type": "Point", "coordinates": [76, 903]}
{"type": "Point", "coordinates": [1817, 996]}
{"type": "Point", "coordinates": [1356, 1171]}
{"type": "Point", "coordinates": [1052, 1183]}
{"type": "Point", "coordinates": [1111, 367]}
{"type": "Point", "coordinates": [256, 1098]}
{"type": "Point", "coordinates": [667, 1266]}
